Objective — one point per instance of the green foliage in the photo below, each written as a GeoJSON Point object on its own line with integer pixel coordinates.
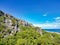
{"type": "Point", "coordinates": [2, 27]}
{"type": "Point", "coordinates": [1, 18]}
{"type": "Point", "coordinates": [27, 35]}
{"type": "Point", "coordinates": [13, 21]}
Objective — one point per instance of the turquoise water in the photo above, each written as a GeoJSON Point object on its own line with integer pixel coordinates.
{"type": "Point", "coordinates": [53, 30]}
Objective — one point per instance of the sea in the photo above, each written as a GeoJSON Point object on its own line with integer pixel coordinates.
{"type": "Point", "coordinates": [53, 30]}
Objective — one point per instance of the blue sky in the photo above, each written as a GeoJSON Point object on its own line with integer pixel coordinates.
{"type": "Point", "coordinates": [42, 13]}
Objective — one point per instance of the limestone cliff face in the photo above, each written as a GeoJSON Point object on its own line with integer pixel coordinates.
{"type": "Point", "coordinates": [11, 23]}
{"type": "Point", "coordinates": [8, 22]}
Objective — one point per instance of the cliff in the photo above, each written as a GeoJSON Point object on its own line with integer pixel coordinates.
{"type": "Point", "coordinates": [10, 24]}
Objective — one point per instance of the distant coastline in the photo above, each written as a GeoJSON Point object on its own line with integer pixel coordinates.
{"type": "Point", "coordinates": [53, 30]}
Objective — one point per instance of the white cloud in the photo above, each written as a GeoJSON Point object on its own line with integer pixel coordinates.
{"type": "Point", "coordinates": [49, 25]}
{"type": "Point", "coordinates": [45, 14]}
{"type": "Point", "coordinates": [57, 18]}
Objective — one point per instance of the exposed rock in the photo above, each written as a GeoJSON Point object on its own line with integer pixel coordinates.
{"type": "Point", "coordinates": [8, 22]}
{"type": "Point", "coordinates": [24, 23]}
{"type": "Point", "coordinates": [39, 30]}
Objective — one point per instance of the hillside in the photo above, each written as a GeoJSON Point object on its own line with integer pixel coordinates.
{"type": "Point", "coordinates": [15, 31]}
{"type": "Point", "coordinates": [10, 24]}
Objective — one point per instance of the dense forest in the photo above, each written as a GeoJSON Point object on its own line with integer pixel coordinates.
{"type": "Point", "coordinates": [15, 31]}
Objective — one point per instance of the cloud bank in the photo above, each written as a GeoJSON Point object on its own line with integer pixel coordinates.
{"type": "Point", "coordinates": [50, 25]}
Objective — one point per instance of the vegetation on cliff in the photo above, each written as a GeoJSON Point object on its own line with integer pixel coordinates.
{"type": "Point", "coordinates": [19, 32]}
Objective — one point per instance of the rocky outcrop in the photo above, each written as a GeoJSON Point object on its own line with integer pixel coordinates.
{"type": "Point", "coordinates": [11, 22]}
{"type": "Point", "coordinates": [8, 23]}
{"type": "Point", "coordinates": [38, 29]}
